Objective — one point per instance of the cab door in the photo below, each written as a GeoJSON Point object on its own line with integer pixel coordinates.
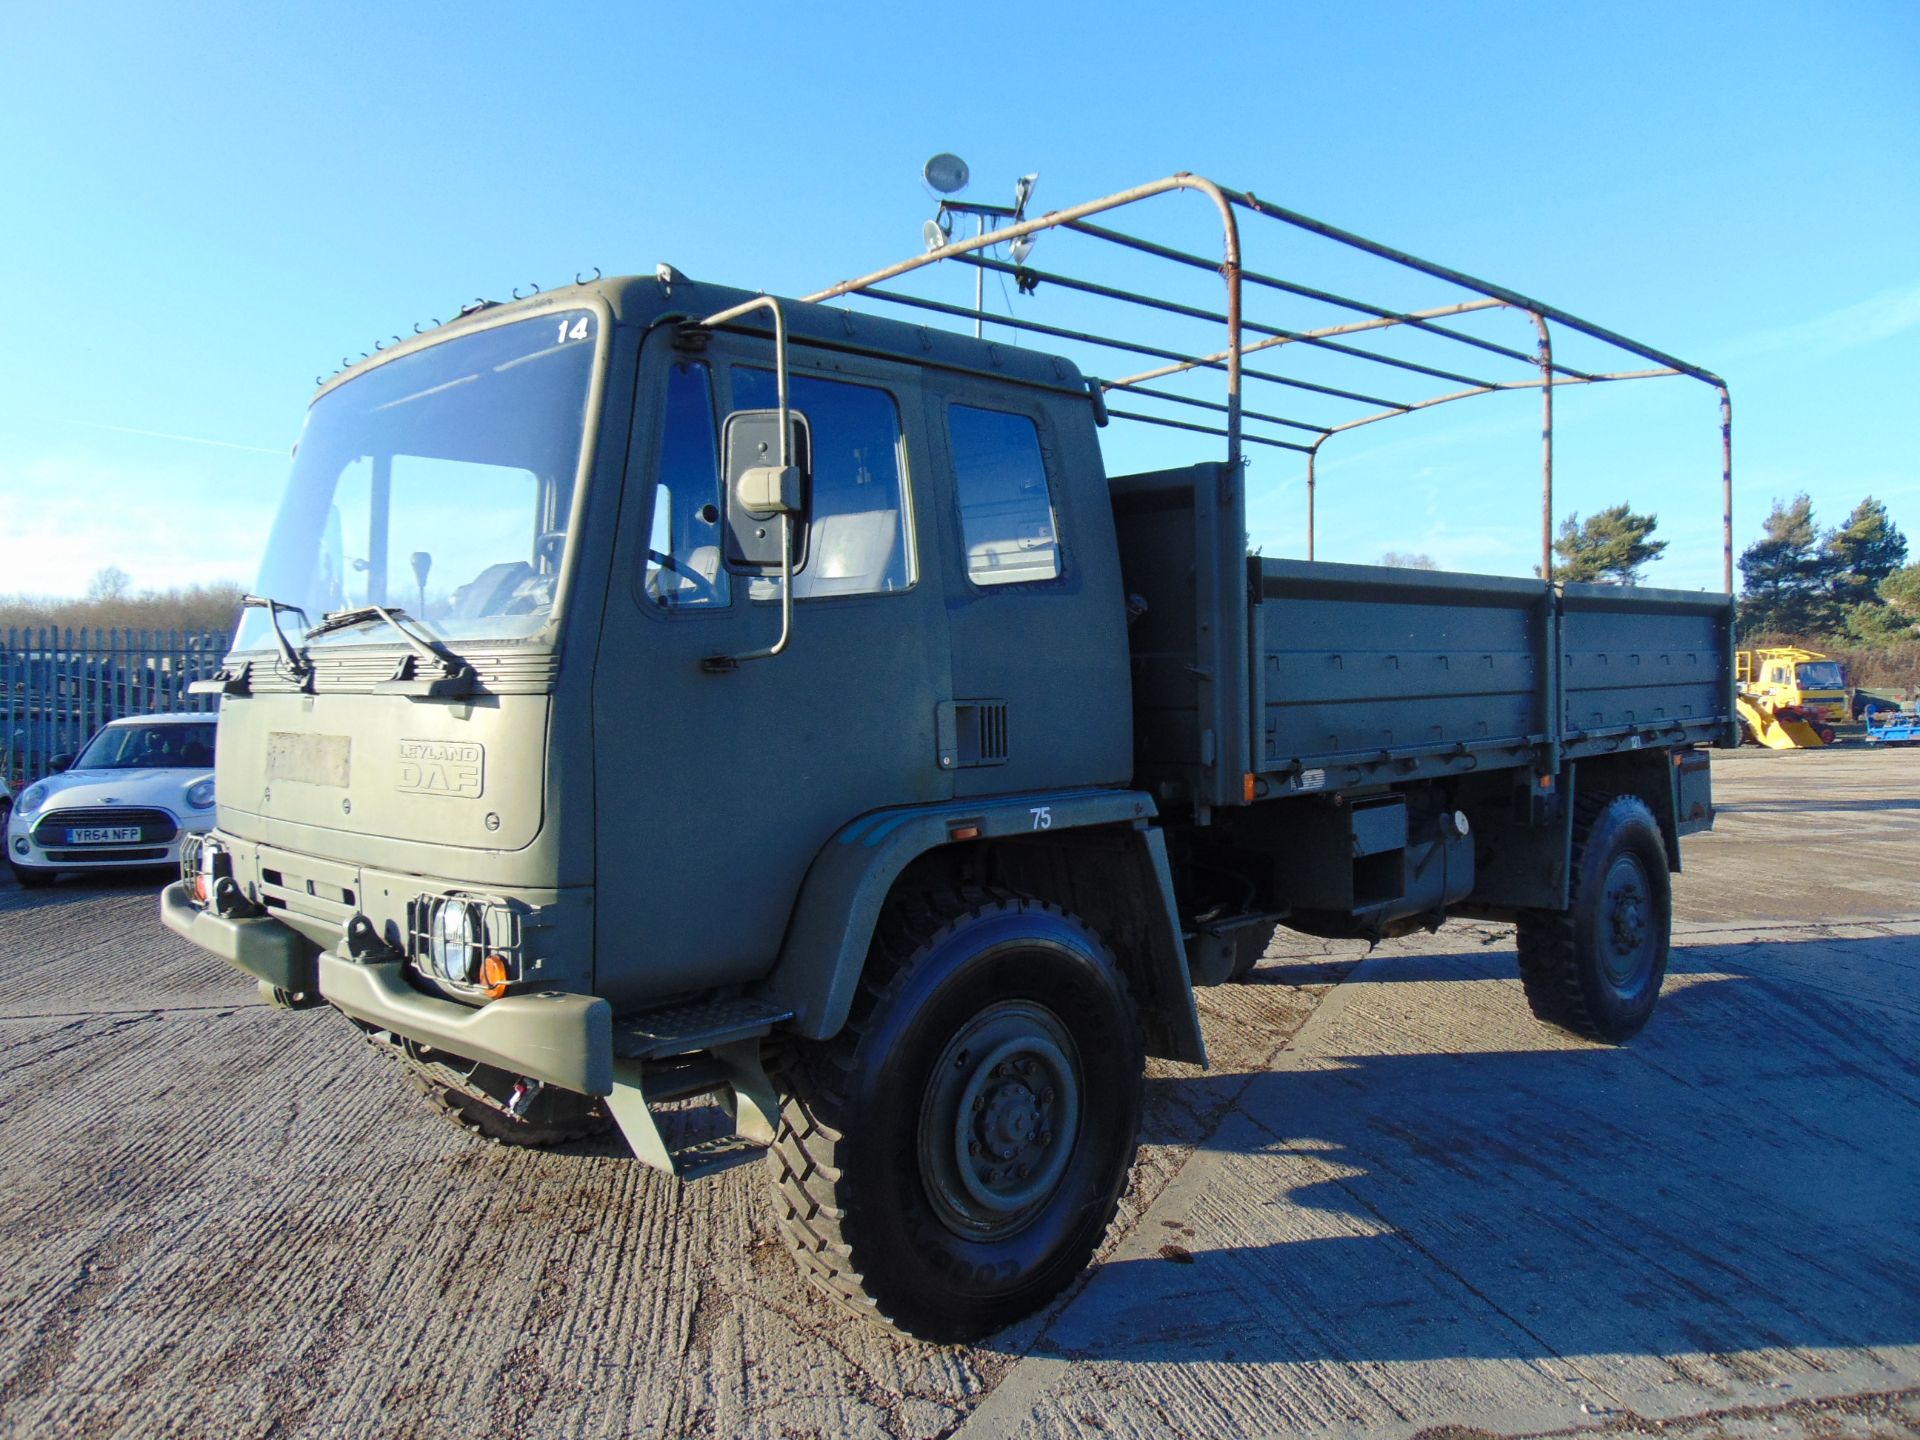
{"type": "Point", "coordinates": [715, 787]}
{"type": "Point", "coordinates": [1036, 616]}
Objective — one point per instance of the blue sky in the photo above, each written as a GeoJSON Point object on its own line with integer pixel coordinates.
{"type": "Point", "coordinates": [206, 208]}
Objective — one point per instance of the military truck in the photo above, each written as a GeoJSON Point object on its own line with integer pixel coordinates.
{"type": "Point", "coordinates": [661, 691]}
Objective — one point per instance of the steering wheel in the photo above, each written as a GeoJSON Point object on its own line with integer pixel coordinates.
{"type": "Point", "coordinates": [696, 588]}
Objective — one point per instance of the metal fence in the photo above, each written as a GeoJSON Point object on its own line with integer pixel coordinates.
{"type": "Point", "coordinates": [58, 686]}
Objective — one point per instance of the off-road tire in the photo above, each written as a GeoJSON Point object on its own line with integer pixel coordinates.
{"type": "Point", "coordinates": [474, 1097]}
{"type": "Point", "coordinates": [32, 877]}
{"type": "Point", "coordinates": [1595, 968]}
{"type": "Point", "coordinates": [872, 1182]}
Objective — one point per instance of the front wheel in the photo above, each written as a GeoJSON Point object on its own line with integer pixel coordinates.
{"type": "Point", "coordinates": [1596, 967]}
{"type": "Point", "coordinates": [949, 1162]}
{"type": "Point", "coordinates": [497, 1106]}
{"type": "Point", "coordinates": [32, 877]}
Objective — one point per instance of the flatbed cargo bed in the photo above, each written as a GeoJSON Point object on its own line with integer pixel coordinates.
{"type": "Point", "coordinates": [1367, 673]}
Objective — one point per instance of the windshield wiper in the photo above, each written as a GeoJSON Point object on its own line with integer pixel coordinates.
{"type": "Point", "coordinates": [273, 608]}
{"type": "Point", "coordinates": [229, 681]}
{"type": "Point", "coordinates": [455, 677]}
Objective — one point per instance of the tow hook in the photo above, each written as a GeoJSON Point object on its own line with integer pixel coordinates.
{"type": "Point", "coordinates": [524, 1090]}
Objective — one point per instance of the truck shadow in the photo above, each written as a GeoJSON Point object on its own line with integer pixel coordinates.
{"type": "Point", "coordinates": [1742, 1177]}
{"type": "Point", "coordinates": [1802, 809]}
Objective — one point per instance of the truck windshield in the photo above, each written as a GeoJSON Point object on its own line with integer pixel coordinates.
{"type": "Point", "coordinates": [1821, 675]}
{"type": "Point", "coordinates": [438, 483]}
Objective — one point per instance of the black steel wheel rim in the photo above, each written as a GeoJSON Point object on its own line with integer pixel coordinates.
{"type": "Point", "coordinates": [999, 1119]}
{"type": "Point", "coordinates": [1628, 934]}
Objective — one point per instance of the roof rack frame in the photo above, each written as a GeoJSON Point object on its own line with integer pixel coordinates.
{"type": "Point", "coordinates": [1231, 205]}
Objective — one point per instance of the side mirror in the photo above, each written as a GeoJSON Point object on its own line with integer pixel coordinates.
{"type": "Point", "coordinates": [761, 490]}
{"type": "Point", "coordinates": [59, 763]}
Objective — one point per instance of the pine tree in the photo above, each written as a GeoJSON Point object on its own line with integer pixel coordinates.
{"type": "Point", "coordinates": [1610, 546]}
{"type": "Point", "coordinates": [1863, 552]}
{"type": "Point", "coordinates": [1784, 576]}
{"type": "Point", "coordinates": [1900, 595]}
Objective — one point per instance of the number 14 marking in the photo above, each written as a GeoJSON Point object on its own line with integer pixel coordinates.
{"type": "Point", "coordinates": [578, 330]}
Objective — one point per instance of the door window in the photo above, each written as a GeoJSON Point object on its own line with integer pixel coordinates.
{"type": "Point", "coordinates": [683, 553]}
{"type": "Point", "coordinates": [859, 536]}
{"type": "Point", "coordinates": [1006, 515]}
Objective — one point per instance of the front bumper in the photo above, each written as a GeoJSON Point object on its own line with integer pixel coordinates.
{"type": "Point", "coordinates": [24, 848]}
{"type": "Point", "coordinates": [262, 947]}
{"type": "Point", "coordinates": [554, 1036]}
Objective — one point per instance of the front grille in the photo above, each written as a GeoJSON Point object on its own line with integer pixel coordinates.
{"type": "Point", "coordinates": [106, 852]}
{"type": "Point", "coordinates": [157, 827]}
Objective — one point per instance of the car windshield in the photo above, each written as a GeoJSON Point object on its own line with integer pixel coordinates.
{"type": "Point", "coordinates": [439, 484]}
{"type": "Point", "coordinates": [1821, 675]}
{"type": "Point", "coordinates": [143, 747]}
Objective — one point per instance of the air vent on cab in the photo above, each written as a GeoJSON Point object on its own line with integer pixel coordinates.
{"type": "Point", "coordinates": [971, 733]}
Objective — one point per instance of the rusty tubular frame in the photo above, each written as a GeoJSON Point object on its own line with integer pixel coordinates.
{"type": "Point", "coordinates": [1726, 482]}
{"type": "Point", "coordinates": [1249, 201]}
{"type": "Point", "coordinates": [1304, 292]}
{"type": "Point", "coordinates": [1317, 338]}
{"type": "Point", "coordinates": [1551, 373]}
{"type": "Point", "coordinates": [1546, 445]}
{"type": "Point", "coordinates": [1217, 360]}
{"type": "Point", "coordinates": [1229, 267]}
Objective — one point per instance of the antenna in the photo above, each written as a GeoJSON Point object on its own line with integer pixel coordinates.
{"type": "Point", "coordinates": [947, 173]}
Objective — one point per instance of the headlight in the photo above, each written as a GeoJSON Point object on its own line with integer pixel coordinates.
{"type": "Point", "coordinates": [200, 794]}
{"type": "Point", "coordinates": [453, 944]}
{"type": "Point", "coordinates": [32, 798]}
{"type": "Point", "coordinates": [206, 861]}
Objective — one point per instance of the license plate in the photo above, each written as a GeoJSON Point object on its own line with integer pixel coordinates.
{"type": "Point", "coordinates": [104, 835]}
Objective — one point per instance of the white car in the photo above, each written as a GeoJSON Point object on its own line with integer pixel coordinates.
{"type": "Point", "coordinates": [140, 785]}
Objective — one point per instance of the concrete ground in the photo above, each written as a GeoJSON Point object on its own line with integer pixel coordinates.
{"type": "Point", "coordinates": [1395, 1205]}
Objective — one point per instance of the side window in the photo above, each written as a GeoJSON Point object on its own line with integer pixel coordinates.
{"type": "Point", "coordinates": [860, 537]}
{"type": "Point", "coordinates": [683, 552]}
{"type": "Point", "coordinates": [1006, 515]}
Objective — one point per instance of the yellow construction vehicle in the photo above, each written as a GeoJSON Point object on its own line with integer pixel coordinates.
{"type": "Point", "coordinates": [1789, 698]}
{"type": "Point", "coordinates": [1786, 675]}
{"type": "Point", "coordinates": [1784, 727]}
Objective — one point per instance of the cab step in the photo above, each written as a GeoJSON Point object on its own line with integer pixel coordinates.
{"type": "Point", "coordinates": [696, 1025]}
{"type": "Point", "coordinates": [679, 1052]}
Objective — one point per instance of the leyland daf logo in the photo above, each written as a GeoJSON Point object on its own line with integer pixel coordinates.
{"type": "Point", "coordinates": [442, 767]}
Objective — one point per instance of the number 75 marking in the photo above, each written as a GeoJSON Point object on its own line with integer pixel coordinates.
{"type": "Point", "coordinates": [1042, 816]}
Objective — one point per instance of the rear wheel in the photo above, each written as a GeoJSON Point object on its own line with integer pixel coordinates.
{"type": "Point", "coordinates": [1596, 967]}
{"type": "Point", "coordinates": [949, 1162]}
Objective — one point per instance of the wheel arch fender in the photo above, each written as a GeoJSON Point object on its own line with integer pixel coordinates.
{"type": "Point", "coordinates": [1647, 775]}
{"type": "Point", "coordinates": [825, 949]}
